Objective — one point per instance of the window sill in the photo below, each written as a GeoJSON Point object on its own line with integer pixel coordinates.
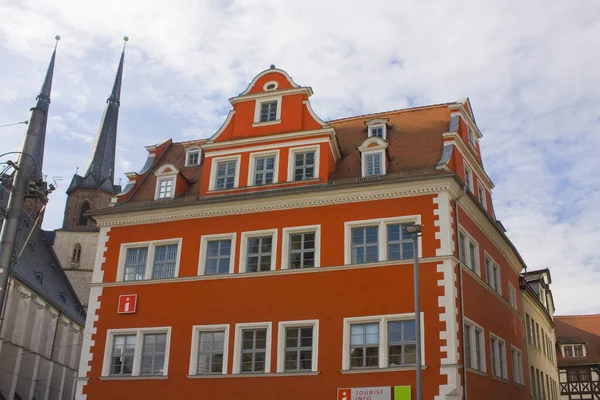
{"type": "Point", "coordinates": [500, 379]}
{"type": "Point", "coordinates": [266, 123]}
{"type": "Point", "coordinates": [263, 375]}
{"type": "Point", "coordinates": [476, 371]}
{"type": "Point", "coordinates": [520, 385]}
{"type": "Point", "coordinates": [372, 370]}
{"type": "Point", "coordinates": [132, 378]}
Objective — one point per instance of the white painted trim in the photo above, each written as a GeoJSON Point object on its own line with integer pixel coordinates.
{"type": "Point", "coordinates": [481, 190]}
{"type": "Point", "coordinates": [269, 71]}
{"type": "Point", "coordinates": [381, 223]}
{"type": "Point", "coordinates": [377, 123]}
{"type": "Point", "coordinates": [512, 362]}
{"type": "Point", "coordinates": [222, 128]}
{"type": "Point", "coordinates": [237, 347]}
{"type": "Point", "coordinates": [266, 86]}
{"type": "Point", "coordinates": [137, 357]}
{"type": "Point", "coordinates": [213, 170]}
{"type": "Point", "coordinates": [469, 238]}
{"type": "Point", "coordinates": [366, 145]}
{"type": "Point", "coordinates": [274, 146]}
{"type": "Point", "coordinates": [382, 320]}
{"type": "Point", "coordinates": [266, 123]}
{"type": "Point", "coordinates": [203, 244]}
{"type": "Point", "coordinates": [244, 247]}
{"type": "Point", "coordinates": [252, 166]}
{"type": "Point", "coordinates": [285, 243]}
{"type": "Point", "coordinates": [511, 290]}
{"type": "Point", "coordinates": [165, 178]}
{"type": "Point", "coordinates": [467, 154]}
{"type": "Point", "coordinates": [483, 359]}
{"type": "Point", "coordinates": [363, 162]}
{"type": "Point", "coordinates": [281, 342]}
{"type": "Point", "coordinates": [504, 366]}
{"type": "Point", "coordinates": [161, 170]}
{"type": "Point", "coordinates": [196, 329]}
{"type": "Point", "coordinates": [193, 149]}
{"type": "Point", "coordinates": [258, 106]}
{"type": "Point", "coordinates": [470, 183]}
{"type": "Point", "coordinates": [292, 154]}
{"type": "Point", "coordinates": [313, 114]}
{"type": "Point", "coordinates": [151, 244]}
{"type": "Point", "coordinates": [488, 256]}
{"type": "Point", "coordinates": [562, 349]}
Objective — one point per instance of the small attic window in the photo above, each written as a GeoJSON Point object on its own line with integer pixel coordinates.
{"type": "Point", "coordinates": [270, 86]}
{"type": "Point", "coordinates": [192, 157]}
{"type": "Point", "coordinates": [377, 128]}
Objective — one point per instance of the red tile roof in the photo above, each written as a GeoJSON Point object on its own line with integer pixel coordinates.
{"type": "Point", "coordinates": [579, 329]}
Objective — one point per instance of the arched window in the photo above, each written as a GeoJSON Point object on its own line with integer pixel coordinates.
{"type": "Point", "coordinates": [83, 219]}
{"type": "Point", "coordinates": [76, 253]}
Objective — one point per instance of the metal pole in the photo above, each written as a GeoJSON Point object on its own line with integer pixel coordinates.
{"type": "Point", "coordinates": [16, 200]}
{"type": "Point", "coordinates": [417, 316]}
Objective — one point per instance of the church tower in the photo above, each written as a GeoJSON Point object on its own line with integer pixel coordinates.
{"type": "Point", "coordinates": [75, 243]}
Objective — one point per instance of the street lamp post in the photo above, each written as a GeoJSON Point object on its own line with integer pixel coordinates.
{"type": "Point", "coordinates": [414, 230]}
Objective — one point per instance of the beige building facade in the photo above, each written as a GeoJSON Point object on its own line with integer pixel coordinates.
{"type": "Point", "coordinates": [538, 306]}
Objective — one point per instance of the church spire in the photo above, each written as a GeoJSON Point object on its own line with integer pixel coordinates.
{"type": "Point", "coordinates": [100, 170]}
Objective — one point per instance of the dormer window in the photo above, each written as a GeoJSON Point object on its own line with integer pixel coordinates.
{"type": "Point", "coordinates": [166, 181]}
{"type": "Point", "coordinates": [573, 350]}
{"type": "Point", "coordinates": [268, 111]}
{"type": "Point", "coordinates": [377, 128]}
{"type": "Point", "coordinates": [374, 163]}
{"type": "Point", "coordinates": [192, 157]}
{"type": "Point", "coordinates": [373, 160]}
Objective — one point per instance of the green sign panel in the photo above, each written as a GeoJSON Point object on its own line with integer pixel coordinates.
{"type": "Point", "coordinates": [402, 393]}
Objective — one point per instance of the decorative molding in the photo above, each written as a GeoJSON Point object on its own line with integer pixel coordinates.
{"type": "Point", "coordinates": [88, 343]}
{"type": "Point", "coordinates": [285, 92]}
{"type": "Point", "coordinates": [266, 72]}
{"type": "Point", "coordinates": [260, 140]}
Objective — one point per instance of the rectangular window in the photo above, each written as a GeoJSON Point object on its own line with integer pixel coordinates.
{"type": "Point", "coordinates": [364, 345]}
{"type": "Point", "coordinates": [193, 158]}
{"type": "Point", "coordinates": [498, 352]}
{"type": "Point", "coordinates": [481, 195]}
{"type": "Point", "coordinates": [153, 354]}
{"type": "Point", "coordinates": [365, 244]}
{"type": "Point", "coordinates": [268, 111]}
{"type": "Point", "coordinates": [304, 166]}
{"type": "Point", "coordinates": [253, 355]}
{"type": "Point", "coordinates": [165, 258]}
{"type": "Point", "coordinates": [225, 175]}
{"type": "Point", "coordinates": [400, 245]}
{"type": "Point", "coordinates": [298, 348]}
{"type": "Point", "coordinates": [492, 272]}
{"type": "Point", "coordinates": [302, 250]}
{"type": "Point", "coordinates": [218, 257]}
{"type": "Point", "coordinates": [377, 131]}
{"type": "Point", "coordinates": [264, 170]}
{"type": "Point", "coordinates": [568, 351]}
{"type": "Point", "coordinates": [512, 295]}
{"type": "Point", "coordinates": [462, 253]}
{"type": "Point", "coordinates": [517, 365]}
{"type": "Point", "coordinates": [122, 355]}
{"type": "Point", "coordinates": [468, 331]}
{"type": "Point", "coordinates": [469, 178]}
{"type": "Point", "coordinates": [533, 382]}
{"type": "Point", "coordinates": [479, 356]}
{"type": "Point", "coordinates": [471, 136]}
{"type": "Point", "coordinates": [402, 339]}
{"type": "Point", "coordinates": [373, 164]}
{"type": "Point", "coordinates": [210, 352]}
{"type": "Point", "coordinates": [538, 343]}
{"type": "Point", "coordinates": [259, 254]}
{"type": "Point", "coordinates": [473, 257]}
{"type": "Point", "coordinates": [135, 264]}
{"type": "Point", "coordinates": [541, 385]}
{"type": "Point", "coordinates": [473, 342]}
{"type": "Point", "coordinates": [578, 350]}
{"type": "Point", "coordinates": [165, 188]}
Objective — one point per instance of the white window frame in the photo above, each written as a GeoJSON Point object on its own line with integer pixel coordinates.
{"type": "Point", "coordinates": [382, 320]}
{"type": "Point", "coordinates": [512, 296]}
{"type": "Point", "coordinates": [266, 85]}
{"type": "Point", "coordinates": [521, 379]}
{"type": "Point", "coordinates": [213, 171]}
{"type": "Point", "coordinates": [469, 172]}
{"type": "Point", "coordinates": [292, 151]}
{"type": "Point", "coordinates": [162, 179]}
{"type": "Point", "coordinates": [237, 347]}
{"type": "Point", "coordinates": [377, 123]}
{"type": "Point", "coordinates": [151, 244]}
{"type": "Point", "coordinates": [503, 357]}
{"type": "Point", "coordinates": [382, 224]}
{"type": "Point", "coordinates": [285, 243]}
{"type": "Point", "coordinates": [562, 350]}
{"type": "Point", "coordinates": [196, 329]}
{"type": "Point", "coordinates": [258, 107]}
{"type": "Point", "coordinates": [204, 244]}
{"type": "Point", "coordinates": [281, 345]}
{"type": "Point", "coordinates": [471, 137]}
{"type": "Point", "coordinates": [162, 176]}
{"type": "Point", "coordinates": [482, 195]}
{"type": "Point", "coordinates": [252, 166]}
{"type": "Point", "coordinates": [244, 248]}
{"type": "Point", "coordinates": [137, 355]}
{"type": "Point", "coordinates": [363, 162]}
{"type": "Point", "coordinates": [473, 355]}
{"type": "Point", "coordinates": [469, 238]}
{"type": "Point", "coordinates": [193, 150]}
{"type": "Point", "coordinates": [496, 280]}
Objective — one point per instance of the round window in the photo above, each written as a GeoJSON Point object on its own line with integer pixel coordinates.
{"type": "Point", "coordinates": [270, 86]}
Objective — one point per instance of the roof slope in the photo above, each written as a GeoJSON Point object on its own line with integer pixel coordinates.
{"type": "Point", "coordinates": [579, 329]}
{"type": "Point", "coordinates": [39, 268]}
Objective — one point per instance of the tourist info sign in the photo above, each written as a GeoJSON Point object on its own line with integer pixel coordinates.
{"type": "Point", "coordinates": [367, 393]}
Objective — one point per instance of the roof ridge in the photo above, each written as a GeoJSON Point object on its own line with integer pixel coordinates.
{"type": "Point", "coordinates": [391, 111]}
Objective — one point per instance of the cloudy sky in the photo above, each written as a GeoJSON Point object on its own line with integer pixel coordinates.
{"type": "Point", "coordinates": [529, 67]}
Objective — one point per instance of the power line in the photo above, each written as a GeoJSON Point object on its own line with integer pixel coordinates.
{"type": "Point", "coordinates": [15, 123]}
{"type": "Point", "coordinates": [42, 351]}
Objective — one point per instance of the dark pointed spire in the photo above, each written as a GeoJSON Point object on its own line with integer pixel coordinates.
{"type": "Point", "coordinates": [100, 170]}
{"type": "Point", "coordinates": [43, 103]}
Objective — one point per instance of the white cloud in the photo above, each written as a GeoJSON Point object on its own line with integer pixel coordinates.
{"type": "Point", "coordinates": [530, 69]}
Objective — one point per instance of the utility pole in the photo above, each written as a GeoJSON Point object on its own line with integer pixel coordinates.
{"type": "Point", "coordinates": [22, 185]}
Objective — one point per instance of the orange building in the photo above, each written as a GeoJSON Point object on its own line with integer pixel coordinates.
{"type": "Point", "coordinates": [268, 261]}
